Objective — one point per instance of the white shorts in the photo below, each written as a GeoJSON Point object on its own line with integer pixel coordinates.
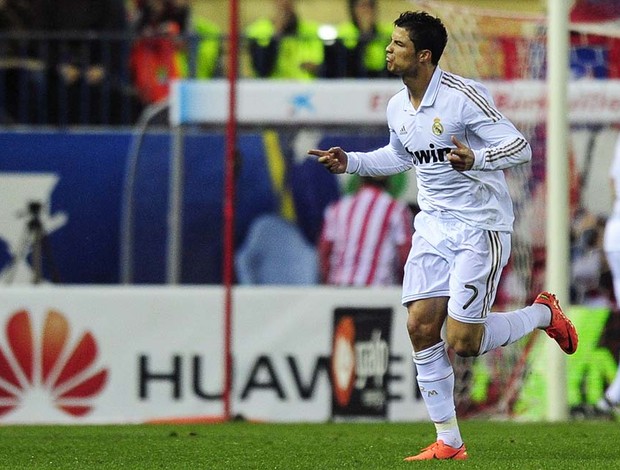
{"type": "Point", "coordinates": [449, 258]}
{"type": "Point", "coordinates": [611, 236]}
{"type": "Point", "coordinates": [613, 260]}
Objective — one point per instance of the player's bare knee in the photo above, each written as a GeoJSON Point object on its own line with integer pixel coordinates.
{"type": "Point", "coordinates": [465, 349]}
{"type": "Point", "coordinates": [418, 329]}
{"type": "Point", "coordinates": [422, 335]}
{"type": "Point", "coordinates": [464, 345]}
{"type": "Point", "coordinates": [464, 338]}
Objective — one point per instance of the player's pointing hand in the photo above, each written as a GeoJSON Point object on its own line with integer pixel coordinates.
{"type": "Point", "coordinates": [462, 157]}
{"type": "Point", "coordinates": [334, 159]}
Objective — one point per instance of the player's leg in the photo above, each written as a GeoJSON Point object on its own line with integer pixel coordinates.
{"type": "Point", "coordinates": [504, 328]}
{"type": "Point", "coordinates": [435, 377]}
{"type": "Point", "coordinates": [611, 397]}
{"type": "Point", "coordinates": [479, 258]}
{"type": "Point", "coordinates": [425, 293]}
{"type": "Point", "coordinates": [473, 285]}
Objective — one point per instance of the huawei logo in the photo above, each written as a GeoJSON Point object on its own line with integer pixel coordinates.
{"type": "Point", "coordinates": [48, 370]}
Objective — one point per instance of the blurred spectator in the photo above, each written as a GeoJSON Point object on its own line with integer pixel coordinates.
{"type": "Point", "coordinates": [159, 16]}
{"type": "Point", "coordinates": [203, 43]}
{"type": "Point", "coordinates": [15, 14]}
{"type": "Point", "coordinates": [275, 252]}
{"type": "Point", "coordinates": [153, 61]}
{"type": "Point", "coordinates": [359, 50]}
{"type": "Point", "coordinates": [285, 46]}
{"type": "Point", "coordinates": [587, 260]}
{"type": "Point", "coordinates": [366, 237]}
{"type": "Point", "coordinates": [87, 59]}
{"type": "Point", "coordinates": [20, 70]}
{"type": "Point", "coordinates": [173, 43]}
{"type": "Point", "coordinates": [313, 191]}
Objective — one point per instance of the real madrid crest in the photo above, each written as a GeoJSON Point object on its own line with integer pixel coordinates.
{"type": "Point", "coordinates": [437, 127]}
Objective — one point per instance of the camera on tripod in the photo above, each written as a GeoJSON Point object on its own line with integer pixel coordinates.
{"type": "Point", "coordinates": [34, 208]}
{"type": "Point", "coordinates": [34, 243]}
{"type": "Point", "coordinates": [34, 212]}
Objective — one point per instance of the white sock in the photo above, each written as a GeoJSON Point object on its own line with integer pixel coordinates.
{"type": "Point", "coordinates": [605, 404]}
{"type": "Point", "coordinates": [613, 391]}
{"type": "Point", "coordinates": [502, 329]}
{"type": "Point", "coordinates": [436, 383]}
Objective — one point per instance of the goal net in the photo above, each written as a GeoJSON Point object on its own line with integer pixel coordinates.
{"type": "Point", "coordinates": [507, 51]}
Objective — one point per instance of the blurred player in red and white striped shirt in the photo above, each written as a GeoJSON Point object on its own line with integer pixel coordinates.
{"type": "Point", "coordinates": [366, 237]}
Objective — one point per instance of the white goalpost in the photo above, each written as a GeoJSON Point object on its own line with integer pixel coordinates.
{"type": "Point", "coordinates": [558, 229]}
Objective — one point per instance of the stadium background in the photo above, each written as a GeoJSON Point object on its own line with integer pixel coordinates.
{"type": "Point", "coordinates": [327, 11]}
{"type": "Point", "coordinates": [78, 173]}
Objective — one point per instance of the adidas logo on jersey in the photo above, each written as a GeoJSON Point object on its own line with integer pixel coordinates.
{"type": "Point", "coordinates": [403, 130]}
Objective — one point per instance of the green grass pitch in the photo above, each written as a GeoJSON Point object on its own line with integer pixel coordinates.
{"type": "Point", "coordinates": [492, 445]}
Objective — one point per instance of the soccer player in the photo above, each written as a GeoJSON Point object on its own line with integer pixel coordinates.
{"type": "Point", "coordinates": [365, 238]}
{"type": "Point", "coordinates": [611, 244]}
{"type": "Point", "coordinates": [448, 127]}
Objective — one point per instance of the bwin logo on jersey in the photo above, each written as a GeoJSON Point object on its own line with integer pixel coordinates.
{"type": "Point", "coordinates": [431, 155]}
{"type": "Point", "coordinates": [437, 126]}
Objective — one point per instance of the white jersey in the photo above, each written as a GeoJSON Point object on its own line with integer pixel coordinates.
{"type": "Point", "coordinates": [452, 106]}
{"type": "Point", "coordinates": [612, 227]}
{"type": "Point", "coordinates": [614, 174]}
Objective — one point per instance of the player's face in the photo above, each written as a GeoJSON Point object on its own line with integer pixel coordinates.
{"type": "Point", "coordinates": [401, 55]}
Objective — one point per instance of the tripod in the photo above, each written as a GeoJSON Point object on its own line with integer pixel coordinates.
{"type": "Point", "coordinates": [35, 238]}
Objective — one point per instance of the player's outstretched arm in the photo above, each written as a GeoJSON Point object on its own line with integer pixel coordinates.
{"type": "Point", "coordinates": [334, 159]}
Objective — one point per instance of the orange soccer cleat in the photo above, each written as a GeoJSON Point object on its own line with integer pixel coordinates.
{"type": "Point", "coordinates": [561, 328]}
{"type": "Point", "coordinates": [440, 451]}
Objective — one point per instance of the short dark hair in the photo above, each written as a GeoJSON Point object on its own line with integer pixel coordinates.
{"type": "Point", "coordinates": [378, 181]}
{"type": "Point", "coordinates": [425, 31]}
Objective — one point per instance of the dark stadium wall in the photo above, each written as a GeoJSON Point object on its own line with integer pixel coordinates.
{"type": "Point", "coordinates": [90, 168]}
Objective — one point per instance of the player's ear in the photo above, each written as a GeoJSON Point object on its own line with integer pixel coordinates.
{"type": "Point", "coordinates": [424, 55]}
